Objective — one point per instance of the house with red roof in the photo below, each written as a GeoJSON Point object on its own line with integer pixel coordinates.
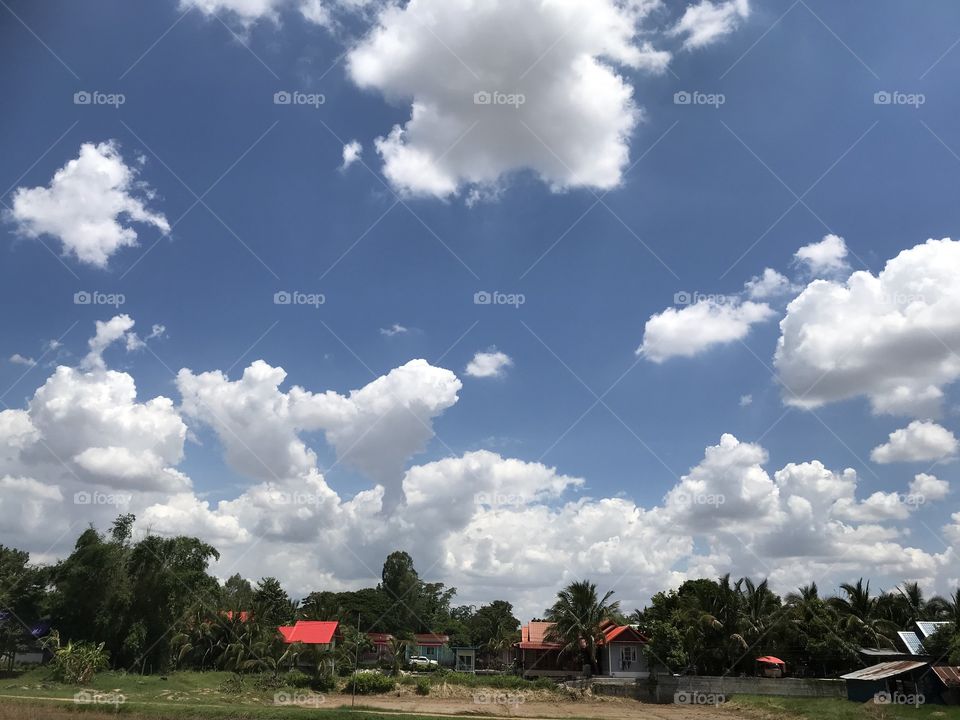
{"type": "Point", "coordinates": [433, 646]}
{"type": "Point", "coordinates": [311, 632]}
{"type": "Point", "coordinates": [620, 652]}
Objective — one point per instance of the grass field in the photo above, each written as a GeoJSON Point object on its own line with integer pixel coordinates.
{"type": "Point", "coordinates": [217, 695]}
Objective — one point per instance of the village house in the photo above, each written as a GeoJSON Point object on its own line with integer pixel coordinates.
{"type": "Point", "coordinates": [620, 653]}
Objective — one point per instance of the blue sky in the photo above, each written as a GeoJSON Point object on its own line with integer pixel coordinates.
{"type": "Point", "coordinates": [710, 196]}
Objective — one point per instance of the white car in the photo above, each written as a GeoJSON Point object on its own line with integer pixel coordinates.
{"type": "Point", "coordinates": [422, 661]}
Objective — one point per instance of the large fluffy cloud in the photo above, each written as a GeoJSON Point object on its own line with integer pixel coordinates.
{"type": "Point", "coordinates": [499, 526]}
{"type": "Point", "coordinates": [376, 428]}
{"type": "Point", "coordinates": [690, 330]}
{"type": "Point", "coordinates": [89, 205]}
{"type": "Point", "coordinates": [890, 337]}
{"type": "Point", "coordinates": [502, 86]}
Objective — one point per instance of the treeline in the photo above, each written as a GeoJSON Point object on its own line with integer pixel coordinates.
{"type": "Point", "coordinates": [153, 606]}
{"type": "Point", "coordinates": [714, 627]}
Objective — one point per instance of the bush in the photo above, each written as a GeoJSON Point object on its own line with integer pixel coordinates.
{"type": "Point", "coordinates": [297, 679]}
{"type": "Point", "coordinates": [233, 685]}
{"type": "Point", "coordinates": [423, 686]}
{"type": "Point", "coordinates": [76, 663]}
{"type": "Point", "coordinates": [324, 683]}
{"type": "Point", "coordinates": [369, 683]}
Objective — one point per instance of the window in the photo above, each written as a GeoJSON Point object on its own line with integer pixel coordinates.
{"type": "Point", "coordinates": [628, 656]}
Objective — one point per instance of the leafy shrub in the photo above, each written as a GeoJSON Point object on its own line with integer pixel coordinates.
{"type": "Point", "coordinates": [324, 683]}
{"type": "Point", "coordinates": [269, 681]}
{"type": "Point", "coordinates": [369, 683]}
{"type": "Point", "coordinates": [423, 686]}
{"type": "Point", "coordinates": [297, 679]}
{"type": "Point", "coordinates": [500, 682]}
{"type": "Point", "coordinates": [77, 663]}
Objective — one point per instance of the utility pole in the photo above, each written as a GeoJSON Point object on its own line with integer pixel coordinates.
{"type": "Point", "coordinates": [356, 663]}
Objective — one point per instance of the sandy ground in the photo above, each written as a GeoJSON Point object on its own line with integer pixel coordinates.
{"type": "Point", "coordinates": [601, 708]}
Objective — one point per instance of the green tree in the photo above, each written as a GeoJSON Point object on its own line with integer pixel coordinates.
{"type": "Point", "coordinates": [22, 600]}
{"type": "Point", "coordinates": [860, 615]}
{"type": "Point", "coordinates": [577, 616]}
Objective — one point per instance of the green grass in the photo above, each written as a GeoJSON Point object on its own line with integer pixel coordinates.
{"type": "Point", "coordinates": [836, 709]}
{"type": "Point", "coordinates": [497, 682]}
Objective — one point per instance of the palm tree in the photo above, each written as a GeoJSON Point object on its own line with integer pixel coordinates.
{"type": "Point", "coordinates": [860, 614]}
{"type": "Point", "coordinates": [757, 609]}
{"type": "Point", "coordinates": [919, 608]}
{"type": "Point", "coordinates": [577, 616]}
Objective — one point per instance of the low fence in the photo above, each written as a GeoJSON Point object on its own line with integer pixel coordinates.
{"type": "Point", "coordinates": [699, 689]}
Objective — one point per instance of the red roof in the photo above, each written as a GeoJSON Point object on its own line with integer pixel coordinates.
{"type": "Point", "coordinates": [532, 636]}
{"type": "Point", "coordinates": [431, 639]}
{"type": "Point", "coordinates": [770, 660]}
{"type": "Point", "coordinates": [310, 632]}
{"type": "Point", "coordinates": [623, 633]}
{"type": "Point", "coordinates": [380, 638]}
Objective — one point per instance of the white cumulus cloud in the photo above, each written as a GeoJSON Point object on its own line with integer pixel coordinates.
{"type": "Point", "coordinates": [696, 328]}
{"type": "Point", "coordinates": [887, 337]}
{"type": "Point", "coordinates": [707, 22]}
{"type": "Point", "coordinates": [827, 257]}
{"type": "Point", "coordinates": [89, 206]}
{"type": "Point", "coordinates": [491, 363]}
{"type": "Point", "coordinates": [919, 441]}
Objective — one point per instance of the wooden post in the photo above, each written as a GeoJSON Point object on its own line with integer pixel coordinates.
{"type": "Point", "coordinates": [356, 664]}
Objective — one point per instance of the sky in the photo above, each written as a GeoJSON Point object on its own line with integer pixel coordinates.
{"type": "Point", "coordinates": [630, 290]}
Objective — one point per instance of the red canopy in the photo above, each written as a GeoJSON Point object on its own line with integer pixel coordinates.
{"type": "Point", "coordinates": [770, 659]}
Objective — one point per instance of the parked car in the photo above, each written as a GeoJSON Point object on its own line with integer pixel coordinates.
{"type": "Point", "coordinates": [422, 661]}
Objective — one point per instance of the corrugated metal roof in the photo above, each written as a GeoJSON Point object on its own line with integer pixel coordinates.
{"type": "Point", "coordinates": [949, 676]}
{"type": "Point", "coordinates": [884, 670]}
{"type": "Point", "coordinates": [912, 641]}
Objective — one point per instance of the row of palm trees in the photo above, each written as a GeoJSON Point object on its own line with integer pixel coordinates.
{"type": "Point", "coordinates": [721, 626]}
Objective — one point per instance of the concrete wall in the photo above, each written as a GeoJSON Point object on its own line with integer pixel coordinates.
{"type": "Point", "coordinates": [694, 688]}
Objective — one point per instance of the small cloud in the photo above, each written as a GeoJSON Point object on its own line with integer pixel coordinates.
{"type": "Point", "coordinates": [395, 329]}
{"type": "Point", "coordinates": [18, 359]}
{"type": "Point", "coordinates": [746, 400]}
{"type": "Point", "coordinates": [918, 442]}
{"type": "Point", "coordinates": [351, 153]}
{"type": "Point", "coordinates": [489, 364]}
{"type": "Point", "coordinates": [157, 331]}
{"type": "Point", "coordinates": [768, 285]}
{"type": "Point", "coordinates": [706, 22]}
{"type": "Point", "coordinates": [827, 257]}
